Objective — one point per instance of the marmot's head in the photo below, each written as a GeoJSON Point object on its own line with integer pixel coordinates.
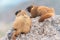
{"type": "Point", "coordinates": [20, 12]}
{"type": "Point", "coordinates": [30, 7]}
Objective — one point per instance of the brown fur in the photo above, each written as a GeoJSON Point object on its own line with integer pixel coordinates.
{"type": "Point", "coordinates": [43, 11]}
{"type": "Point", "coordinates": [21, 24]}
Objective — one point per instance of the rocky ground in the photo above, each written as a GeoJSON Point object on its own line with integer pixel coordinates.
{"type": "Point", "coordinates": [47, 30]}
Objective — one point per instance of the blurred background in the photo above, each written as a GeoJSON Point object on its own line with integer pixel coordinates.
{"type": "Point", "coordinates": [9, 7]}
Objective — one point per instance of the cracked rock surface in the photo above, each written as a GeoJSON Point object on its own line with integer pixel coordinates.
{"type": "Point", "coordinates": [49, 29]}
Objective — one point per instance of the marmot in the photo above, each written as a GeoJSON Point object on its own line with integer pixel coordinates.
{"type": "Point", "coordinates": [43, 11]}
{"type": "Point", "coordinates": [22, 23]}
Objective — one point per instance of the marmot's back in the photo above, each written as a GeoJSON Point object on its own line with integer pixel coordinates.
{"type": "Point", "coordinates": [21, 24]}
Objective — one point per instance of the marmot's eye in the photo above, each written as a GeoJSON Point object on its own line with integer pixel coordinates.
{"type": "Point", "coordinates": [17, 12]}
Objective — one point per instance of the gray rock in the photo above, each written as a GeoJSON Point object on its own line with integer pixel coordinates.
{"type": "Point", "coordinates": [47, 30]}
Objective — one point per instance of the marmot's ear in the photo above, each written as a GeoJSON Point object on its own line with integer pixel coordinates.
{"type": "Point", "coordinates": [29, 8]}
{"type": "Point", "coordinates": [17, 12]}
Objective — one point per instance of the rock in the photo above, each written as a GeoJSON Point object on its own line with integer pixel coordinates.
{"type": "Point", "coordinates": [47, 30]}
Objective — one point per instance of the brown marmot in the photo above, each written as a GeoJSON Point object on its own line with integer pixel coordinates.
{"type": "Point", "coordinates": [22, 23]}
{"type": "Point", "coordinates": [43, 11]}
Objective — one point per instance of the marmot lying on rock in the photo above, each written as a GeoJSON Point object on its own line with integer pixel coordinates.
{"type": "Point", "coordinates": [43, 11]}
{"type": "Point", "coordinates": [22, 24]}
